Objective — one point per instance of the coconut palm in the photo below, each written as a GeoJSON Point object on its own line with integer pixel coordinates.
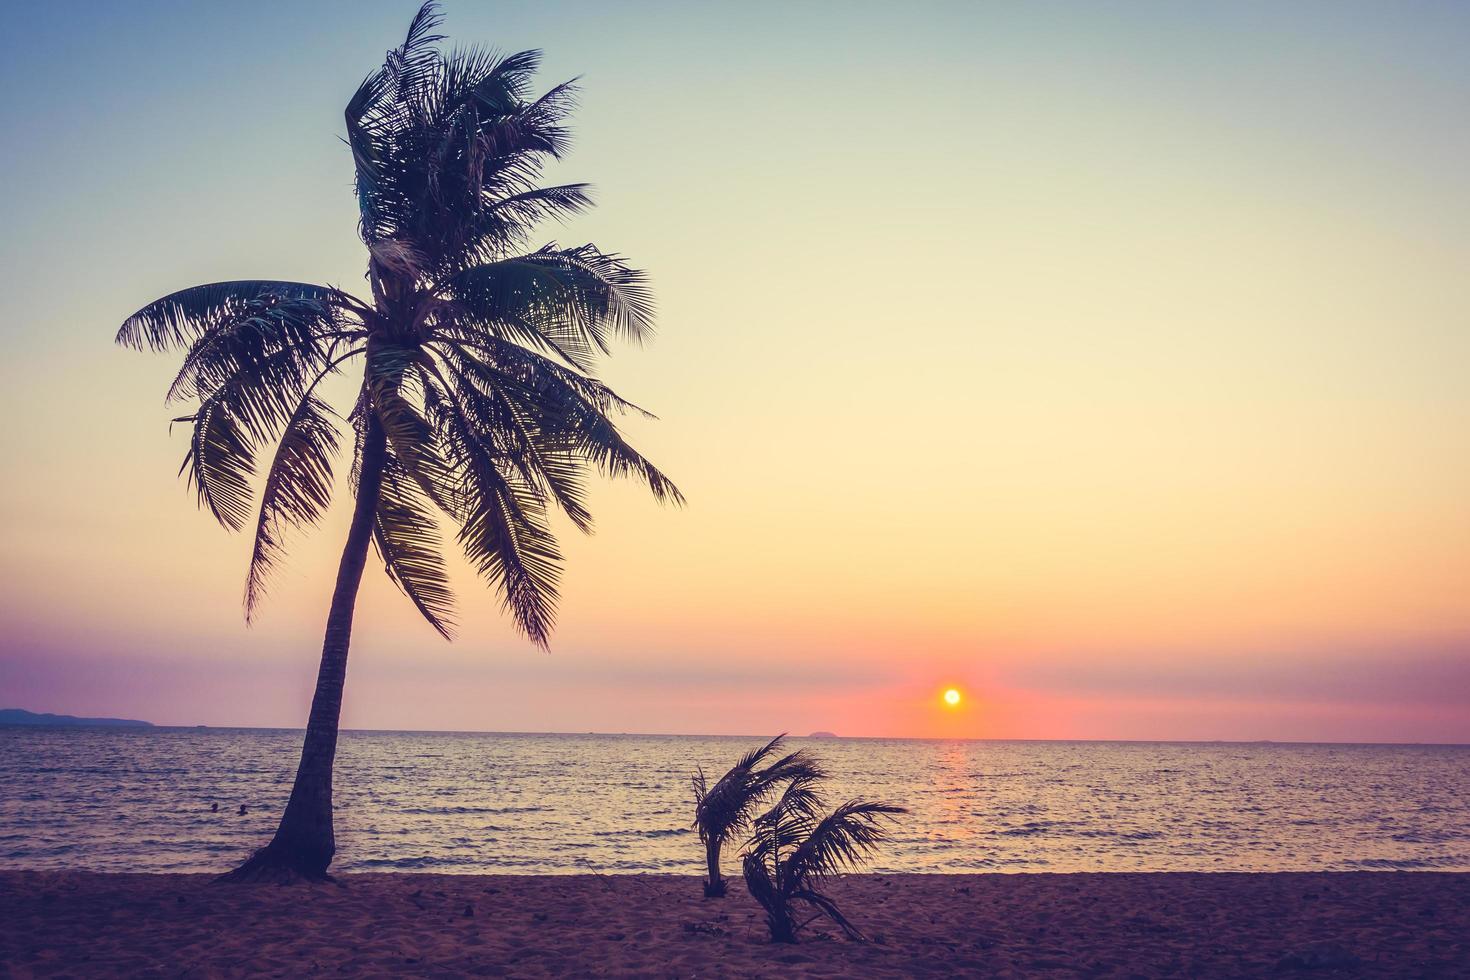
{"type": "Point", "coordinates": [724, 810]}
{"type": "Point", "coordinates": [794, 848]}
{"type": "Point", "coordinates": [477, 404]}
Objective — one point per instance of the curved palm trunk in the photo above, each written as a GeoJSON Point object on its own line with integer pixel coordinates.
{"type": "Point", "coordinates": [304, 844]}
{"type": "Point", "coordinates": [714, 885]}
{"type": "Point", "coordinates": [782, 924]}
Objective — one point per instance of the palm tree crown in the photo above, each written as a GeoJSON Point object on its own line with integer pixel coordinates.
{"type": "Point", "coordinates": [478, 400]}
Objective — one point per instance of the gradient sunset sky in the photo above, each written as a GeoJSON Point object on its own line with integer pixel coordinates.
{"type": "Point", "coordinates": [1104, 361]}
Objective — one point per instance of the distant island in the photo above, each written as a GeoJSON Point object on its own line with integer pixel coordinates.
{"type": "Point", "coordinates": [823, 735]}
{"type": "Point", "coordinates": [20, 716]}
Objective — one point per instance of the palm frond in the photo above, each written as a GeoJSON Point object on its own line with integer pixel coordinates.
{"type": "Point", "coordinates": [535, 370]}
{"type": "Point", "coordinates": [220, 462]}
{"type": "Point", "coordinates": [842, 839]}
{"type": "Point", "coordinates": [800, 797]}
{"type": "Point", "coordinates": [253, 339]}
{"type": "Point", "coordinates": [505, 536]}
{"type": "Point", "coordinates": [412, 63]}
{"type": "Point", "coordinates": [377, 115]}
{"type": "Point", "coordinates": [180, 318]}
{"type": "Point", "coordinates": [497, 84]}
{"type": "Point", "coordinates": [829, 908]}
{"type": "Point", "coordinates": [571, 410]}
{"type": "Point", "coordinates": [540, 203]}
{"type": "Point", "coordinates": [439, 140]}
{"type": "Point", "coordinates": [723, 810]}
{"type": "Point", "coordinates": [496, 424]}
{"type": "Point", "coordinates": [799, 766]}
{"type": "Point", "coordinates": [263, 398]}
{"type": "Point", "coordinates": [616, 292]}
{"type": "Point", "coordinates": [407, 540]}
{"type": "Point", "coordinates": [794, 847]}
{"type": "Point", "coordinates": [396, 391]}
{"type": "Point", "coordinates": [700, 784]}
{"type": "Point", "coordinates": [754, 757]}
{"type": "Point", "coordinates": [571, 301]}
{"type": "Point", "coordinates": [761, 882]}
{"type": "Point", "coordinates": [359, 419]}
{"type": "Point", "coordinates": [297, 490]}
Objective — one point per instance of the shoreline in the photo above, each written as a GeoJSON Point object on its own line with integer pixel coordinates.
{"type": "Point", "coordinates": [1353, 923]}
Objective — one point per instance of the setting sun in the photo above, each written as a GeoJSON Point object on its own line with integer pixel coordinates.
{"type": "Point", "coordinates": [951, 697]}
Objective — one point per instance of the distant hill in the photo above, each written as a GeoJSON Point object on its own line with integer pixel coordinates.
{"type": "Point", "coordinates": [20, 716]}
{"type": "Point", "coordinates": [822, 735]}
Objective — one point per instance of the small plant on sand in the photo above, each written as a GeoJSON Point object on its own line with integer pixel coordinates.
{"type": "Point", "coordinates": [725, 809]}
{"type": "Point", "coordinates": [794, 848]}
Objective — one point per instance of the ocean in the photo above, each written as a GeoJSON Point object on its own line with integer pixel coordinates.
{"type": "Point", "coordinates": [120, 799]}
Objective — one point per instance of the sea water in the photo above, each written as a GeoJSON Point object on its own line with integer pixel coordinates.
{"type": "Point", "coordinates": [121, 799]}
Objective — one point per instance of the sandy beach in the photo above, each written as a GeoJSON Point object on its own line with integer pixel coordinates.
{"type": "Point", "coordinates": [1124, 925]}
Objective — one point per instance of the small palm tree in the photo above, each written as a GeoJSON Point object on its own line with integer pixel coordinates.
{"type": "Point", "coordinates": [723, 810]}
{"type": "Point", "coordinates": [794, 848]}
{"type": "Point", "coordinates": [477, 398]}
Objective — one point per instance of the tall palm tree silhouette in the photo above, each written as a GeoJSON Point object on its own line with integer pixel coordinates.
{"type": "Point", "coordinates": [477, 402]}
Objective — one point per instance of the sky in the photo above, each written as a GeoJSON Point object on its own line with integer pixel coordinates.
{"type": "Point", "coordinates": [1102, 361]}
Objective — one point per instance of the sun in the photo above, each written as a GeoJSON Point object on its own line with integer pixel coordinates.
{"type": "Point", "coordinates": [952, 697]}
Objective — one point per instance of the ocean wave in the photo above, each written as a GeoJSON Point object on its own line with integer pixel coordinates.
{"type": "Point", "coordinates": [1440, 862]}
{"type": "Point", "coordinates": [440, 810]}
{"type": "Point", "coordinates": [1028, 829]}
{"type": "Point", "coordinates": [1432, 836]}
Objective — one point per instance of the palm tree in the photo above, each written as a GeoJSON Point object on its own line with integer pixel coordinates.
{"type": "Point", "coordinates": [793, 849]}
{"type": "Point", "coordinates": [723, 810]}
{"type": "Point", "coordinates": [477, 396]}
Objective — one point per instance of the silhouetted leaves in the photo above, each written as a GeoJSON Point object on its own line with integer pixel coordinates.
{"type": "Point", "coordinates": [407, 539]}
{"type": "Point", "coordinates": [220, 463]}
{"type": "Point", "coordinates": [297, 491]}
{"type": "Point", "coordinates": [479, 347]}
{"type": "Point", "coordinates": [179, 319]}
{"type": "Point", "coordinates": [794, 846]}
{"type": "Point", "coordinates": [725, 809]}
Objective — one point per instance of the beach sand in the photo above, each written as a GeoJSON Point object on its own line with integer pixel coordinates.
{"type": "Point", "coordinates": [1125, 925]}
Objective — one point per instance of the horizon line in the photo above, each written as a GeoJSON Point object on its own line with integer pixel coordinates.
{"type": "Point", "coordinates": [767, 737]}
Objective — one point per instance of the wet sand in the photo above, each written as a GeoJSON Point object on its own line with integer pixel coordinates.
{"type": "Point", "coordinates": [1125, 925]}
